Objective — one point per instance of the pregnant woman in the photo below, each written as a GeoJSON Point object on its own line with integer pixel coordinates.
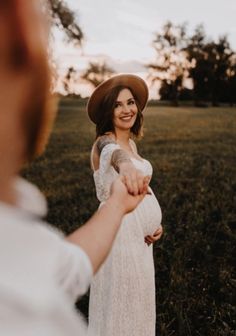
{"type": "Point", "coordinates": [122, 295]}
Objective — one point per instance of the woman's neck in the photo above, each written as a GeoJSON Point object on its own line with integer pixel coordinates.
{"type": "Point", "coordinates": [122, 136]}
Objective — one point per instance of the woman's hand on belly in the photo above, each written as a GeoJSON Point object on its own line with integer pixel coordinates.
{"type": "Point", "coordinates": [150, 239]}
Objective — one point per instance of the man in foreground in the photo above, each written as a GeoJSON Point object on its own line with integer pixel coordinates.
{"type": "Point", "coordinates": [42, 273]}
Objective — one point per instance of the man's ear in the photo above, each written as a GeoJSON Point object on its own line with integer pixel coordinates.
{"type": "Point", "coordinates": [25, 32]}
{"type": "Point", "coordinates": [16, 32]}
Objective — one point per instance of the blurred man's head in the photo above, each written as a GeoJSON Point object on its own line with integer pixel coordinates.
{"type": "Point", "coordinates": [24, 82]}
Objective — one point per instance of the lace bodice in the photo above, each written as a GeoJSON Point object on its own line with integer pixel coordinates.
{"type": "Point", "coordinates": [106, 174]}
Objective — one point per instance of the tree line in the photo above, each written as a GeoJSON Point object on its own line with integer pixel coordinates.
{"type": "Point", "coordinates": [208, 66]}
{"type": "Point", "coordinates": [187, 66]}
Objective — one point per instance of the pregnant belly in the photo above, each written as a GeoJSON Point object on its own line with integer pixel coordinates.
{"type": "Point", "coordinates": [149, 214]}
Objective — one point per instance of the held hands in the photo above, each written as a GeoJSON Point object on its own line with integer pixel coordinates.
{"type": "Point", "coordinates": [125, 202]}
{"type": "Point", "coordinates": [130, 189]}
{"type": "Point", "coordinates": [150, 239]}
{"type": "Point", "coordinates": [133, 178]}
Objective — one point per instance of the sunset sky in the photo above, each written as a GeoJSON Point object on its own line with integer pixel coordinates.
{"type": "Point", "coordinates": [121, 32]}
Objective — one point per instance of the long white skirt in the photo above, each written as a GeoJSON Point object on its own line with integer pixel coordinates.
{"type": "Point", "coordinates": [122, 294]}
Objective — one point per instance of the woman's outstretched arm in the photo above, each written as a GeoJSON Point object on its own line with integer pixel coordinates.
{"type": "Point", "coordinates": [133, 178]}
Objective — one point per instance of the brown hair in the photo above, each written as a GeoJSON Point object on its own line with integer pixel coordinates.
{"type": "Point", "coordinates": [28, 57]}
{"type": "Point", "coordinates": [107, 106]}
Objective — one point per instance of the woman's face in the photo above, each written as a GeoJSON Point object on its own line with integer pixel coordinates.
{"type": "Point", "coordinates": [125, 111]}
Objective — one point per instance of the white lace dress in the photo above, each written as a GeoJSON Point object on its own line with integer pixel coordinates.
{"type": "Point", "coordinates": [122, 294]}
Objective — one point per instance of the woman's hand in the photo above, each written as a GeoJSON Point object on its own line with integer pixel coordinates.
{"type": "Point", "coordinates": [124, 201]}
{"type": "Point", "coordinates": [150, 239]}
{"type": "Point", "coordinates": [133, 178]}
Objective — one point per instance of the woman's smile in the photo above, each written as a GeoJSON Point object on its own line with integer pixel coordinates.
{"type": "Point", "coordinates": [127, 117]}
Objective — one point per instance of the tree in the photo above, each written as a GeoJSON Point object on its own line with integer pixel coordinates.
{"type": "Point", "coordinates": [210, 65]}
{"type": "Point", "coordinates": [96, 73]}
{"type": "Point", "coordinates": [220, 54]}
{"type": "Point", "coordinates": [171, 90]}
{"type": "Point", "coordinates": [199, 70]}
{"type": "Point", "coordinates": [231, 81]}
{"type": "Point", "coordinates": [65, 19]}
{"type": "Point", "coordinates": [171, 66]}
{"type": "Point", "coordinates": [70, 80]}
{"type": "Point", "coordinates": [210, 62]}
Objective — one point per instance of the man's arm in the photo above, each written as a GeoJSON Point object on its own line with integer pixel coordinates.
{"type": "Point", "coordinates": [97, 235]}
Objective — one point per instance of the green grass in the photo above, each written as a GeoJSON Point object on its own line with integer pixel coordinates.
{"type": "Point", "coordinates": [193, 152]}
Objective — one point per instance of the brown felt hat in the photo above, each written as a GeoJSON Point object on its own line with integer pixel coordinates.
{"type": "Point", "coordinates": [137, 85]}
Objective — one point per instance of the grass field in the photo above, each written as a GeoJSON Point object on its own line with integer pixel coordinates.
{"type": "Point", "coordinates": [193, 153]}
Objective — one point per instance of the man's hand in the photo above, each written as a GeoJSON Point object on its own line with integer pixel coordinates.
{"type": "Point", "coordinates": [123, 199]}
{"type": "Point", "coordinates": [133, 178]}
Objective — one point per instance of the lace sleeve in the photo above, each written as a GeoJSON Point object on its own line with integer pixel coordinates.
{"type": "Point", "coordinates": [105, 175]}
{"type": "Point", "coordinates": [105, 161]}
{"type": "Point", "coordinates": [111, 155]}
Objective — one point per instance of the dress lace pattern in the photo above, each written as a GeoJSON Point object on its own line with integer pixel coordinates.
{"type": "Point", "coordinates": [122, 295]}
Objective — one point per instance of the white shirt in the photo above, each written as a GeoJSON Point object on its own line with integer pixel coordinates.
{"type": "Point", "coordinates": [41, 274]}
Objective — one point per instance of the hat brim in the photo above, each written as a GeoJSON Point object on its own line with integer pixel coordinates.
{"type": "Point", "coordinates": [137, 85]}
